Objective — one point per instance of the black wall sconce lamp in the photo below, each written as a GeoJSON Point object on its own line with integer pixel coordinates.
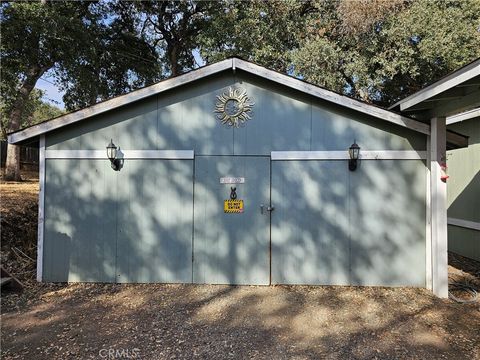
{"type": "Point", "coordinates": [354, 152]}
{"type": "Point", "coordinates": [112, 152]}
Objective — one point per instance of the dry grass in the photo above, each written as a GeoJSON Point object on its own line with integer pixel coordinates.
{"type": "Point", "coordinates": [14, 195]}
{"type": "Point", "coordinates": [18, 226]}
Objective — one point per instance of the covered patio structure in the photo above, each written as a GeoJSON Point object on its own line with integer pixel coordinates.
{"type": "Point", "coordinates": [454, 98]}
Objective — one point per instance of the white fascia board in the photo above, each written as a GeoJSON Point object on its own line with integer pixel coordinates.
{"type": "Point", "coordinates": [473, 225]}
{"type": "Point", "coordinates": [343, 155]}
{"type": "Point", "coordinates": [456, 78]}
{"type": "Point", "coordinates": [118, 101]}
{"type": "Point", "coordinates": [126, 154]}
{"type": "Point", "coordinates": [467, 115]}
{"type": "Point", "coordinates": [331, 96]}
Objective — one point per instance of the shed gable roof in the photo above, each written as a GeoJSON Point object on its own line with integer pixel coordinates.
{"type": "Point", "coordinates": [228, 64]}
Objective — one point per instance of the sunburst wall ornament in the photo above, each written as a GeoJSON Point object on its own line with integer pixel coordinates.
{"type": "Point", "coordinates": [234, 107]}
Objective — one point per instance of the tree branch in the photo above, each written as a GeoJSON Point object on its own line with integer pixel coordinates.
{"type": "Point", "coordinates": [33, 74]}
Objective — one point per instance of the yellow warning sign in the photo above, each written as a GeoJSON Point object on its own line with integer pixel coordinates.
{"type": "Point", "coordinates": [233, 206]}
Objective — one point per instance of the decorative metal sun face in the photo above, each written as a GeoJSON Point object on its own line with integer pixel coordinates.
{"type": "Point", "coordinates": [233, 107]}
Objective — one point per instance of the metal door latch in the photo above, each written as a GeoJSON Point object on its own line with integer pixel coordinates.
{"type": "Point", "coordinates": [269, 208]}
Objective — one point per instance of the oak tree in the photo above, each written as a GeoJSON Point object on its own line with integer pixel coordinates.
{"type": "Point", "coordinates": [92, 54]}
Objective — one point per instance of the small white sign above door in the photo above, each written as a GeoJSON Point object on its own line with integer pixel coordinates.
{"type": "Point", "coordinates": [232, 180]}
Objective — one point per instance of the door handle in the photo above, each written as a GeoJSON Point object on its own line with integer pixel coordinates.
{"type": "Point", "coordinates": [269, 208]}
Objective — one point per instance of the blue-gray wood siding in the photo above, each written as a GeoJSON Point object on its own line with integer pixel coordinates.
{"type": "Point", "coordinates": [154, 221]}
{"type": "Point", "coordinates": [231, 248]}
{"type": "Point", "coordinates": [281, 120]}
{"type": "Point", "coordinates": [463, 190]}
{"type": "Point", "coordinates": [134, 225]}
{"type": "Point", "coordinates": [80, 221]}
{"type": "Point", "coordinates": [333, 226]}
{"type": "Point", "coordinates": [330, 227]}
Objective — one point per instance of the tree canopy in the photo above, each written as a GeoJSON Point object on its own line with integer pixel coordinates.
{"type": "Point", "coordinates": [375, 50]}
{"type": "Point", "coordinates": [36, 110]}
{"type": "Point", "coordinates": [92, 53]}
{"type": "Point", "coordinates": [393, 53]}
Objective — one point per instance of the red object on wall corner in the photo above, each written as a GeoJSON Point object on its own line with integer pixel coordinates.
{"type": "Point", "coordinates": [444, 177]}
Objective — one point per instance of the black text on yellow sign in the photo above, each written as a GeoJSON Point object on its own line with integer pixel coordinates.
{"type": "Point", "coordinates": [233, 206]}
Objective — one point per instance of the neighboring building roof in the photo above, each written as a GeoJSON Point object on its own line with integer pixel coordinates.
{"type": "Point", "coordinates": [454, 93]}
{"type": "Point", "coordinates": [31, 133]}
{"type": "Point", "coordinates": [467, 115]}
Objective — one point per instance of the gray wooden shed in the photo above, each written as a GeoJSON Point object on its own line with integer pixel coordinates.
{"type": "Point", "coordinates": [163, 217]}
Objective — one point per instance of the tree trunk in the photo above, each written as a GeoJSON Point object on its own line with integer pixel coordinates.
{"type": "Point", "coordinates": [12, 165]}
{"type": "Point", "coordinates": [173, 58]}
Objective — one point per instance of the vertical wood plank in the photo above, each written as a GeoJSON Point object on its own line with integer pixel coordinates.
{"type": "Point", "coordinates": [154, 222]}
{"type": "Point", "coordinates": [310, 242]}
{"type": "Point", "coordinates": [231, 248]}
{"type": "Point", "coordinates": [41, 207]}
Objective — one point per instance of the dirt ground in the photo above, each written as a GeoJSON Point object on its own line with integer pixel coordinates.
{"type": "Point", "coordinates": [150, 321]}
{"type": "Point", "coordinates": [183, 321]}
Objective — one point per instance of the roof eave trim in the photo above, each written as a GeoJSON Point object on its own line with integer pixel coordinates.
{"type": "Point", "coordinates": [333, 97]}
{"type": "Point", "coordinates": [232, 63]}
{"type": "Point", "coordinates": [455, 78]}
{"type": "Point", "coordinates": [118, 101]}
{"type": "Point", "coordinates": [467, 115]}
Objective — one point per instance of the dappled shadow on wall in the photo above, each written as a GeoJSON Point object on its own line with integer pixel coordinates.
{"type": "Point", "coordinates": [128, 226]}
{"type": "Point", "coordinates": [333, 226]}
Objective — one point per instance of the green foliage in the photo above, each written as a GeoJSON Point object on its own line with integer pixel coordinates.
{"type": "Point", "coordinates": [92, 53]}
{"type": "Point", "coordinates": [36, 110]}
{"type": "Point", "coordinates": [425, 42]}
{"type": "Point", "coordinates": [376, 50]}
{"type": "Point", "coordinates": [265, 32]}
{"type": "Point", "coordinates": [42, 110]}
{"type": "Point", "coordinates": [113, 60]}
{"type": "Point", "coordinates": [172, 28]}
{"type": "Point", "coordinates": [403, 50]}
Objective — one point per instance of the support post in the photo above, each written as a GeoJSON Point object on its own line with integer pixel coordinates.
{"type": "Point", "coordinates": [41, 206]}
{"type": "Point", "coordinates": [438, 190]}
{"type": "Point", "coordinates": [428, 219]}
